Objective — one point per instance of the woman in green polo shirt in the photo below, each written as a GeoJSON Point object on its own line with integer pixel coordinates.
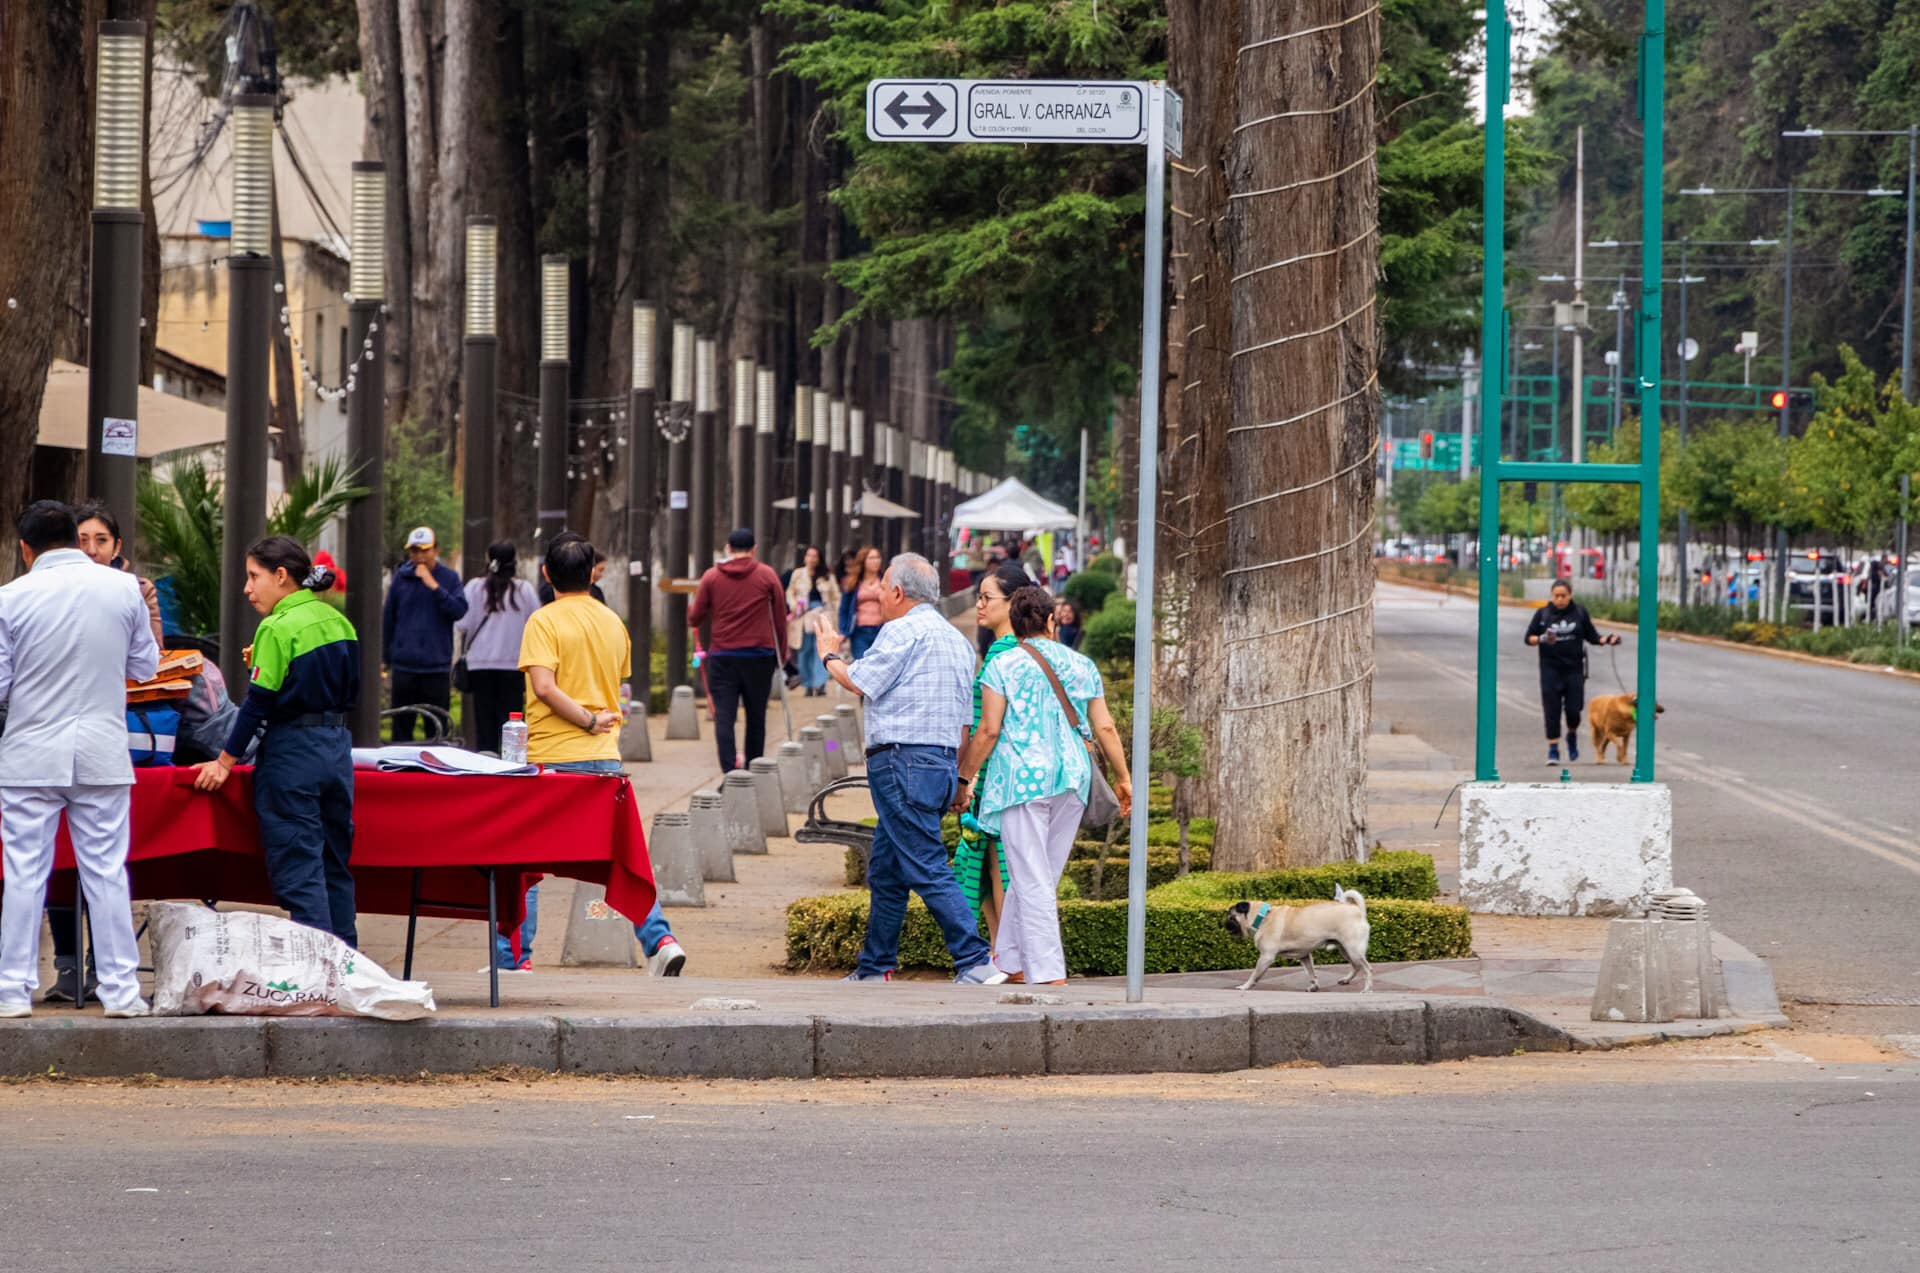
{"type": "Point", "coordinates": [986, 890]}
{"type": "Point", "coordinates": [305, 679]}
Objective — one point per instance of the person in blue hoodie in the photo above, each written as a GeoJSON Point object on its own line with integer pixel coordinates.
{"type": "Point", "coordinates": [424, 601]}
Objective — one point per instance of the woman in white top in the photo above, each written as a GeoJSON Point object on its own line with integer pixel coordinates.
{"type": "Point", "coordinates": [498, 607]}
{"type": "Point", "coordinates": [810, 588]}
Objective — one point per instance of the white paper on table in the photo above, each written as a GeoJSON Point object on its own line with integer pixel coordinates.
{"type": "Point", "coordinates": [438, 758]}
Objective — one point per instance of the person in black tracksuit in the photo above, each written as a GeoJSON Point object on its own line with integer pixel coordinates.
{"type": "Point", "coordinates": [1562, 628]}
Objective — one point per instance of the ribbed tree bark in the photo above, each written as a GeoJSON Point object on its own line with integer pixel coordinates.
{"type": "Point", "coordinates": [1285, 622]}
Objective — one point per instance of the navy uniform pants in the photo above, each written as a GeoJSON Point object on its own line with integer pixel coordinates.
{"type": "Point", "coordinates": [303, 796]}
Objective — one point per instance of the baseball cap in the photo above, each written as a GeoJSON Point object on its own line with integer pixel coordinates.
{"type": "Point", "coordinates": [420, 537]}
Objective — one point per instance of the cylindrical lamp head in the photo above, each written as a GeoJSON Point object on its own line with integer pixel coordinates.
{"type": "Point", "coordinates": [646, 344]}
{"type": "Point", "coordinates": [555, 282]}
{"type": "Point", "coordinates": [483, 276]}
{"type": "Point", "coordinates": [857, 433]}
{"type": "Point", "coordinates": [837, 426]}
{"type": "Point", "coordinates": [682, 386]}
{"type": "Point", "coordinates": [252, 124]}
{"type": "Point", "coordinates": [743, 393]}
{"type": "Point", "coordinates": [705, 373]}
{"type": "Point", "coordinates": [822, 419]}
{"type": "Point", "coordinates": [119, 109]}
{"type": "Point", "coordinates": [764, 388]}
{"type": "Point", "coordinates": [803, 413]}
{"type": "Point", "coordinates": [367, 273]}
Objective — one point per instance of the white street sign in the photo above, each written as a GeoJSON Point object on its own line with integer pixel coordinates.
{"type": "Point", "coordinates": [1113, 112]}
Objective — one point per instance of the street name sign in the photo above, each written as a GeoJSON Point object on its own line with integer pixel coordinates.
{"type": "Point", "coordinates": [1104, 112]}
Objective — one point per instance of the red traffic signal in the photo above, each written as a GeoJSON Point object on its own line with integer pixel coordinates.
{"type": "Point", "coordinates": [1426, 445]}
{"type": "Point", "coordinates": [1778, 400]}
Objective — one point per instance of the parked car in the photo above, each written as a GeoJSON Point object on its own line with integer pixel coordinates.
{"type": "Point", "coordinates": [1817, 575]}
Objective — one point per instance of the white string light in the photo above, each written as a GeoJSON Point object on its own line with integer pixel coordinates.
{"type": "Point", "coordinates": [1335, 175]}
{"type": "Point", "coordinates": [1365, 89]}
{"type": "Point", "coordinates": [1295, 698]}
{"type": "Point", "coordinates": [1294, 35]}
{"type": "Point", "coordinates": [1317, 331]}
{"type": "Point", "coordinates": [1304, 623]}
{"type": "Point", "coordinates": [1291, 561]}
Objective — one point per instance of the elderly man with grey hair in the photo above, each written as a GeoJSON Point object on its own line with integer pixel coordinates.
{"type": "Point", "coordinates": [917, 681]}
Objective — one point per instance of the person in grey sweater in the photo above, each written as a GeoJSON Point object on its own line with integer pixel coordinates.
{"type": "Point", "coordinates": [499, 603]}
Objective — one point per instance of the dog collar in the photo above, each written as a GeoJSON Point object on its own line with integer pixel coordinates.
{"type": "Point", "coordinates": [1264, 908]}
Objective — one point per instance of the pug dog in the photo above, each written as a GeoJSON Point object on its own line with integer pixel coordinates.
{"type": "Point", "coordinates": [1295, 932]}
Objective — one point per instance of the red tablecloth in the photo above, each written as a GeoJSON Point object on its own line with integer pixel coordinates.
{"type": "Point", "coordinates": [584, 826]}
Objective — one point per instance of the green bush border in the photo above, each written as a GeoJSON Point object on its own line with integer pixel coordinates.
{"type": "Point", "coordinates": [1400, 873]}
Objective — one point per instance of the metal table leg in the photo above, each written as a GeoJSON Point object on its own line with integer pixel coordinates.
{"type": "Point", "coordinates": [493, 927]}
{"type": "Point", "coordinates": [413, 921]}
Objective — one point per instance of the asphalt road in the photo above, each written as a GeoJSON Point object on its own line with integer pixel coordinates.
{"type": "Point", "coordinates": [1796, 805]}
{"type": "Point", "coordinates": [1560, 1163]}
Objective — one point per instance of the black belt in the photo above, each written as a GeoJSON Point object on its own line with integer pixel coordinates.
{"type": "Point", "coordinates": [876, 750]}
{"type": "Point", "coordinates": [316, 720]}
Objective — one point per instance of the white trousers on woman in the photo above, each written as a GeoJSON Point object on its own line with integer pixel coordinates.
{"type": "Point", "coordinates": [1036, 839]}
{"type": "Point", "coordinates": [97, 818]}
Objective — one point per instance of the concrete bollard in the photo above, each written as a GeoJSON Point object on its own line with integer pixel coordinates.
{"type": "Point", "coordinates": [635, 745]}
{"type": "Point", "coordinates": [765, 773]}
{"type": "Point", "coordinates": [740, 813]}
{"type": "Point", "coordinates": [710, 837]}
{"type": "Point", "coordinates": [683, 718]}
{"type": "Point", "coordinates": [850, 737]}
{"type": "Point", "coordinates": [598, 936]}
{"type": "Point", "coordinates": [830, 740]}
{"type": "Point", "coordinates": [676, 863]}
{"type": "Point", "coordinates": [1660, 968]}
{"type": "Point", "coordinates": [796, 791]}
{"type": "Point", "coordinates": [815, 750]}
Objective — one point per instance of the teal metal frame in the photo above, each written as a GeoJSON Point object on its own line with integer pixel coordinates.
{"type": "Point", "coordinates": [1494, 326]}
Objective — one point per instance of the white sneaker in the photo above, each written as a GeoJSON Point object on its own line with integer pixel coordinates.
{"type": "Point", "coordinates": [667, 960]}
{"type": "Point", "coordinates": [16, 1009]}
{"type": "Point", "coordinates": [138, 1008]}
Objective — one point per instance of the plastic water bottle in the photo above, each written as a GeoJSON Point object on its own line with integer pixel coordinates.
{"type": "Point", "coordinates": [513, 740]}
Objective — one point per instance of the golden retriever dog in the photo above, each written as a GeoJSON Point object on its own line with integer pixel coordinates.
{"type": "Point", "coordinates": [1612, 718]}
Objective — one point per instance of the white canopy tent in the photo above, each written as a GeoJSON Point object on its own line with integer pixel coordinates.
{"type": "Point", "coordinates": [1012, 505]}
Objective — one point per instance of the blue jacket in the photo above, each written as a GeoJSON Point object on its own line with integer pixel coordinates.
{"type": "Point", "coordinates": [416, 629]}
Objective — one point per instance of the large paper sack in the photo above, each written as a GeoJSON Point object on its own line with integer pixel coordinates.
{"type": "Point", "coordinates": [262, 965]}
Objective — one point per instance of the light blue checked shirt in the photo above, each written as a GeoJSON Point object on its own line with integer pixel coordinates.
{"type": "Point", "coordinates": [918, 681]}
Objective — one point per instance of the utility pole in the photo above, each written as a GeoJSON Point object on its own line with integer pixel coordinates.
{"type": "Point", "coordinates": [1682, 577]}
{"type": "Point", "coordinates": [1786, 408]}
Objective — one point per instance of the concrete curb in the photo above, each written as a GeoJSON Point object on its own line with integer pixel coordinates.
{"type": "Point", "coordinates": [997, 1039]}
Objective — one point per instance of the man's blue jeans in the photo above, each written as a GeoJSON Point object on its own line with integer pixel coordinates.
{"type": "Point", "coordinates": [651, 931]}
{"type": "Point", "coordinates": [912, 786]}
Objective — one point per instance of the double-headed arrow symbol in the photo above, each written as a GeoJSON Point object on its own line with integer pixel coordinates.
{"type": "Point", "coordinates": [930, 109]}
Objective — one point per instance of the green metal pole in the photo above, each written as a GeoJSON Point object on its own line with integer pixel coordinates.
{"type": "Point", "coordinates": [1493, 352]}
{"type": "Point", "coordinates": [1653, 95]}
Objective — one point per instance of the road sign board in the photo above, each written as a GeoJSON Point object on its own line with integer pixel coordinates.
{"type": "Point", "coordinates": [1113, 112]}
{"type": "Point", "coordinates": [1176, 124]}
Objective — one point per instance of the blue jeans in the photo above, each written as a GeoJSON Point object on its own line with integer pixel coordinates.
{"type": "Point", "coordinates": [303, 797]}
{"type": "Point", "coordinates": [813, 673]}
{"type": "Point", "coordinates": [912, 786]}
{"type": "Point", "coordinates": [862, 640]}
{"type": "Point", "coordinates": [651, 931]}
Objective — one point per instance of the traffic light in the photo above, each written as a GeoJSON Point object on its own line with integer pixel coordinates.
{"type": "Point", "coordinates": [1778, 400]}
{"type": "Point", "coordinates": [1426, 444]}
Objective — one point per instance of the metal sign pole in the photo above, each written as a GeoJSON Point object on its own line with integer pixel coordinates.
{"type": "Point", "coordinates": [1144, 551]}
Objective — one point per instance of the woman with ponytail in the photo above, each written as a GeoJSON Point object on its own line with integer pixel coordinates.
{"type": "Point", "coordinates": [499, 603]}
{"type": "Point", "coordinates": [304, 679]}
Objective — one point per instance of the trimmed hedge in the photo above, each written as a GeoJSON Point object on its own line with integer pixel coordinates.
{"type": "Point", "coordinates": [1162, 833]}
{"type": "Point", "coordinates": [1106, 564]}
{"type": "Point", "coordinates": [1162, 867]}
{"type": "Point", "coordinates": [826, 932]}
{"type": "Point", "coordinates": [1090, 589]}
{"type": "Point", "coordinates": [1398, 874]}
{"type": "Point", "coordinates": [1107, 635]}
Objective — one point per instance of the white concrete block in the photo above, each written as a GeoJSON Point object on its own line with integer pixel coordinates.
{"type": "Point", "coordinates": [597, 935]}
{"type": "Point", "coordinates": [706, 821]}
{"type": "Point", "coordinates": [740, 813]}
{"type": "Point", "coordinates": [676, 861]}
{"type": "Point", "coordinates": [766, 785]}
{"type": "Point", "coordinates": [635, 745]}
{"type": "Point", "coordinates": [683, 717]}
{"type": "Point", "coordinates": [1564, 848]}
{"type": "Point", "coordinates": [830, 740]}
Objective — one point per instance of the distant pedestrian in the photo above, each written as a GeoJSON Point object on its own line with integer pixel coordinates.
{"type": "Point", "coordinates": [860, 599]}
{"type": "Point", "coordinates": [977, 861]}
{"type": "Point", "coordinates": [424, 601]}
{"type": "Point", "coordinates": [72, 634]}
{"type": "Point", "coordinates": [499, 603]}
{"type": "Point", "coordinates": [810, 588]}
{"type": "Point", "coordinates": [575, 653]}
{"type": "Point", "coordinates": [1066, 618]}
{"type": "Point", "coordinates": [100, 540]}
{"type": "Point", "coordinates": [1042, 706]}
{"type": "Point", "coordinates": [1563, 629]}
{"type": "Point", "coordinates": [916, 681]}
{"type": "Point", "coordinates": [305, 680]}
{"type": "Point", "coordinates": [741, 597]}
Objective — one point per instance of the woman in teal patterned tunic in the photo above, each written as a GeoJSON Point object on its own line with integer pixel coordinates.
{"type": "Point", "coordinates": [1030, 758]}
{"type": "Point", "coordinates": [986, 890]}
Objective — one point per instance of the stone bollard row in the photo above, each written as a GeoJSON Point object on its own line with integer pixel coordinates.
{"type": "Point", "coordinates": [766, 788]}
{"type": "Point", "coordinates": [676, 863]}
{"type": "Point", "coordinates": [796, 789]}
{"type": "Point", "coordinates": [683, 717]}
{"type": "Point", "coordinates": [829, 725]}
{"type": "Point", "coordinates": [740, 813]}
{"type": "Point", "coordinates": [708, 828]}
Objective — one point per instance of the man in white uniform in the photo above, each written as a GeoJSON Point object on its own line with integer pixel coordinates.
{"type": "Point", "coordinates": [72, 633]}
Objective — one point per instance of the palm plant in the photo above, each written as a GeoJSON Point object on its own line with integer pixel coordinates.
{"type": "Point", "coordinates": [181, 527]}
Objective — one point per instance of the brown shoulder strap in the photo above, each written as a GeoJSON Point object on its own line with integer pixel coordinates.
{"type": "Point", "coordinates": [1059, 691]}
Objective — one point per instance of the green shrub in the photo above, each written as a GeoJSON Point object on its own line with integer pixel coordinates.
{"type": "Point", "coordinates": [1106, 564]}
{"type": "Point", "coordinates": [1108, 636]}
{"type": "Point", "coordinates": [826, 932]}
{"type": "Point", "coordinates": [1089, 589]}
{"type": "Point", "coordinates": [1399, 874]}
{"type": "Point", "coordinates": [1161, 832]}
{"type": "Point", "coordinates": [1162, 866]}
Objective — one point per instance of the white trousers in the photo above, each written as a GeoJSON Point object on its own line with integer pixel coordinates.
{"type": "Point", "coordinates": [98, 818]}
{"type": "Point", "coordinates": [1037, 838]}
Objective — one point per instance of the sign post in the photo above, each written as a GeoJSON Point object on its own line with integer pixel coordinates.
{"type": "Point", "coordinates": [1103, 112]}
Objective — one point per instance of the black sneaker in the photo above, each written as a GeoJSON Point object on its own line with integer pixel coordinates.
{"type": "Point", "coordinates": [1573, 748]}
{"type": "Point", "coordinates": [1553, 753]}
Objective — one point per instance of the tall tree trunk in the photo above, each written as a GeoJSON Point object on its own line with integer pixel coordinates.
{"type": "Point", "coordinates": [1296, 418]}
{"type": "Point", "coordinates": [43, 216]}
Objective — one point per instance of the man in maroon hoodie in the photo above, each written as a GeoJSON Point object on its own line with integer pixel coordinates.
{"type": "Point", "coordinates": [748, 608]}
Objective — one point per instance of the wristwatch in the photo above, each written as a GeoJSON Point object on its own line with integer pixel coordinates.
{"type": "Point", "coordinates": [828, 658]}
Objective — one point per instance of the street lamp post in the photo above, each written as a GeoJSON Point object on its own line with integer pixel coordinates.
{"type": "Point", "coordinates": [859, 526]}
{"type": "Point", "coordinates": [249, 315]}
{"type": "Point", "coordinates": [479, 391]}
{"type": "Point", "coordinates": [803, 469]}
{"type": "Point", "coordinates": [679, 478]}
{"type": "Point", "coordinates": [554, 442]}
{"type": "Point", "coordinates": [765, 387]}
{"type": "Point", "coordinates": [365, 387]}
{"type": "Point", "coordinates": [823, 527]}
{"type": "Point", "coordinates": [113, 302]}
{"type": "Point", "coordinates": [640, 496]}
{"type": "Point", "coordinates": [743, 417]}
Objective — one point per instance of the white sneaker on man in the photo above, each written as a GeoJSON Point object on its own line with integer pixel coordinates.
{"type": "Point", "coordinates": [138, 1008]}
{"type": "Point", "coordinates": [667, 959]}
{"type": "Point", "coordinates": [9, 1010]}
